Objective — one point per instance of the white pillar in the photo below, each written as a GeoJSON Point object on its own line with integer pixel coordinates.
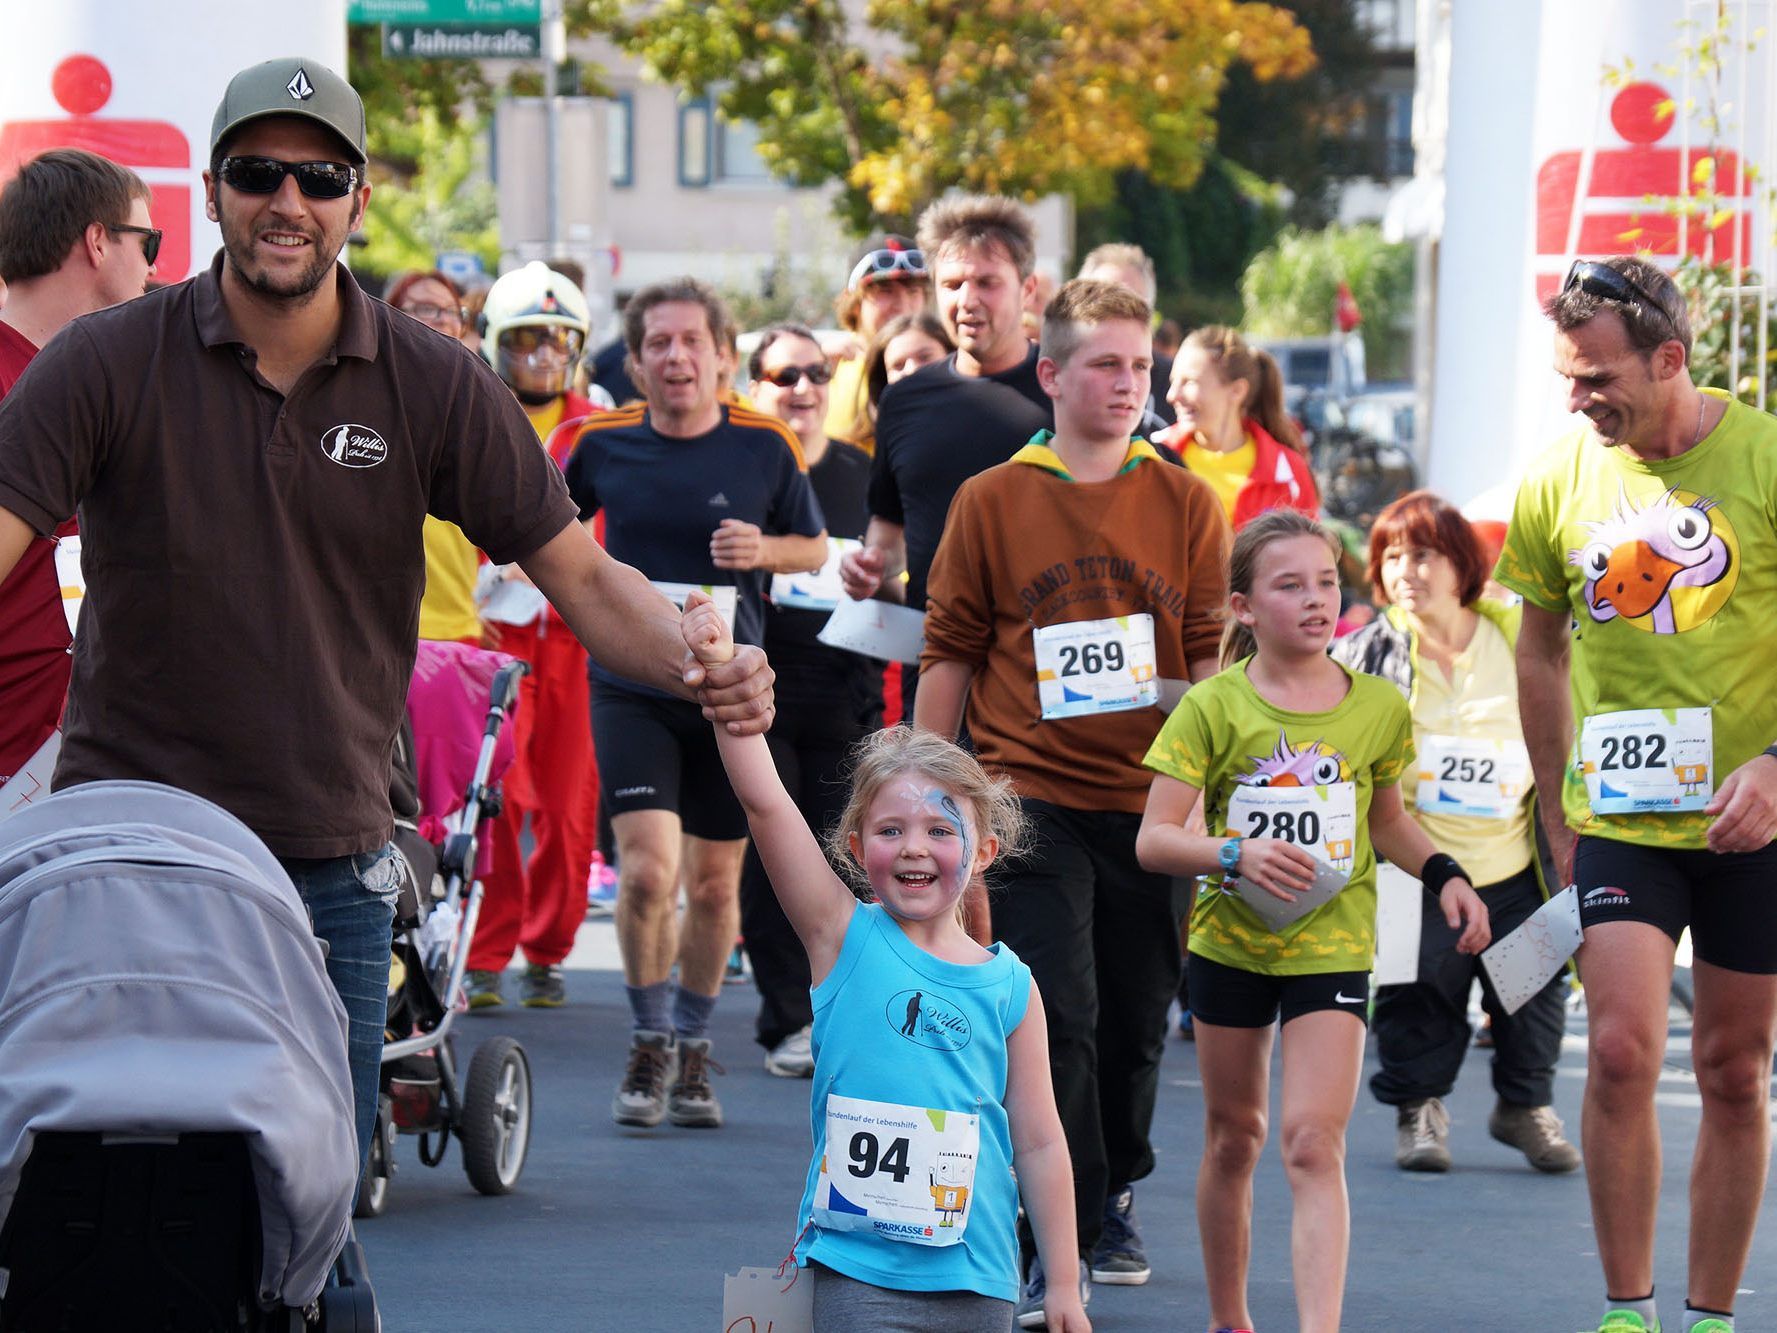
{"type": "Point", "coordinates": [139, 83]}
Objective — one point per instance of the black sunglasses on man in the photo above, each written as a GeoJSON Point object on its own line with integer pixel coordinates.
{"type": "Point", "coordinates": [1603, 281]}
{"type": "Point", "coordinates": [264, 175]}
{"type": "Point", "coordinates": [150, 239]}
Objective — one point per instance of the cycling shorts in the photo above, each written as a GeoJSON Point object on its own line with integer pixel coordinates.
{"type": "Point", "coordinates": [1235, 998]}
{"type": "Point", "coordinates": [660, 754]}
{"type": "Point", "coordinates": [1728, 899]}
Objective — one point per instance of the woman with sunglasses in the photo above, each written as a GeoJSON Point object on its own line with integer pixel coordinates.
{"type": "Point", "coordinates": [1450, 652]}
{"type": "Point", "coordinates": [828, 699]}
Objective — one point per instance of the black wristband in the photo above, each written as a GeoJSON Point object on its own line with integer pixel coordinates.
{"type": "Point", "coordinates": [1439, 870]}
{"type": "Point", "coordinates": [1771, 750]}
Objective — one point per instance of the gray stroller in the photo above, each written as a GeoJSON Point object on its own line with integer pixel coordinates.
{"type": "Point", "coordinates": [176, 1141]}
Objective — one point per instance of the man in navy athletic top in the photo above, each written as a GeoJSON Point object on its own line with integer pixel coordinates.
{"type": "Point", "coordinates": [696, 493]}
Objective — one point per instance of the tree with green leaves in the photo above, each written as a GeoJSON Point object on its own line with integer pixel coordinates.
{"type": "Point", "coordinates": [923, 96]}
{"type": "Point", "coordinates": [1291, 287]}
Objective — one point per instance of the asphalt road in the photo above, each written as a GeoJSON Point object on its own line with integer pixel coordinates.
{"type": "Point", "coordinates": [631, 1231]}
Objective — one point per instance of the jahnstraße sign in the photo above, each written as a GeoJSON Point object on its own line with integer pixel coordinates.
{"type": "Point", "coordinates": [446, 13]}
{"type": "Point", "coordinates": [482, 41]}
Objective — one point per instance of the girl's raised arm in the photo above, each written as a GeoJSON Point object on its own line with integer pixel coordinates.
{"type": "Point", "coordinates": [815, 900]}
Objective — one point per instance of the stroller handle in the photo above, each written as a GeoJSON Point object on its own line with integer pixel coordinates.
{"type": "Point", "coordinates": [504, 694]}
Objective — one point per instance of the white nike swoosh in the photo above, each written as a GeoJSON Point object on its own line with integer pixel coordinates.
{"type": "Point", "coordinates": [1343, 998]}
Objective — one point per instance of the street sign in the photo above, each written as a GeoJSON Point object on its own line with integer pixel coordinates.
{"type": "Point", "coordinates": [446, 13]}
{"type": "Point", "coordinates": [483, 41]}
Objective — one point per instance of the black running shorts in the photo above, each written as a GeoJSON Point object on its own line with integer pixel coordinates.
{"type": "Point", "coordinates": [660, 754]}
{"type": "Point", "coordinates": [1235, 998]}
{"type": "Point", "coordinates": [1728, 899]}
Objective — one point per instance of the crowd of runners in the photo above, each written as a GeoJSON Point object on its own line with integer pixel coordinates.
{"type": "Point", "coordinates": [1152, 750]}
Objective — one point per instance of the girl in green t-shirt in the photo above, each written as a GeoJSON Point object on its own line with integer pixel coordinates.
{"type": "Point", "coordinates": [1295, 760]}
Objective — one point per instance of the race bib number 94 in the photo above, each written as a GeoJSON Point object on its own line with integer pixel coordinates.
{"type": "Point", "coordinates": [1096, 666]}
{"type": "Point", "coordinates": [1648, 760]}
{"type": "Point", "coordinates": [905, 1172]}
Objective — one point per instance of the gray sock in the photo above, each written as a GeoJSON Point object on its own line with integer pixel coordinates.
{"type": "Point", "coordinates": [691, 1012]}
{"type": "Point", "coordinates": [1643, 1307]}
{"type": "Point", "coordinates": [650, 1005]}
{"type": "Point", "coordinates": [1696, 1314]}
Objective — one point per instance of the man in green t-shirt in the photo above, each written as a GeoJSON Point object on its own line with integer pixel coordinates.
{"type": "Point", "coordinates": [1645, 546]}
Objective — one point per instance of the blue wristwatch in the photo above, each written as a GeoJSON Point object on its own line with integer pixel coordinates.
{"type": "Point", "coordinates": [1229, 855]}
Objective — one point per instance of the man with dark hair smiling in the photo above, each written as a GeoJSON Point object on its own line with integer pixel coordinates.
{"type": "Point", "coordinates": [1645, 549]}
{"type": "Point", "coordinates": [253, 460]}
{"type": "Point", "coordinates": [75, 237]}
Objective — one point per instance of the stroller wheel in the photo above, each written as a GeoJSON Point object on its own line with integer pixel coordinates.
{"type": "Point", "coordinates": [496, 1122]}
{"type": "Point", "coordinates": [373, 1185]}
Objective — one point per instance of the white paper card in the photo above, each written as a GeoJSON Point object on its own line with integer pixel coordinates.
{"type": "Point", "coordinates": [881, 630]}
{"type": "Point", "coordinates": [819, 591]}
{"type": "Point", "coordinates": [754, 1300]}
{"type": "Point", "coordinates": [72, 580]}
{"type": "Point", "coordinates": [1276, 913]}
{"type": "Point", "coordinates": [31, 783]}
{"type": "Point", "coordinates": [513, 602]}
{"type": "Point", "coordinates": [724, 595]}
{"type": "Point", "coordinates": [1525, 961]}
{"type": "Point", "coordinates": [1400, 911]}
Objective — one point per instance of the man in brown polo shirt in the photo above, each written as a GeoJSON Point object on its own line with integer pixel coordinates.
{"type": "Point", "coordinates": [253, 454]}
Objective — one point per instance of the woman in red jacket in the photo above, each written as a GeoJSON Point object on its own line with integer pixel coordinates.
{"type": "Point", "coordinates": [1232, 428]}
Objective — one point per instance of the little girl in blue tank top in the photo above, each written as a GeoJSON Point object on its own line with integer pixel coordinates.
{"type": "Point", "coordinates": [931, 1077]}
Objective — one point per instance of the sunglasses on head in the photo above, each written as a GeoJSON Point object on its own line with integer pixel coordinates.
{"type": "Point", "coordinates": [150, 239]}
{"type": "Point", "coordinates": [1603, 281]}
{"type": "Point", "coordinates": [881, 264]}
{"type": "Point", "coordinates": [785, 377]}
{"type": "Point", "coordinates": [264, 175]}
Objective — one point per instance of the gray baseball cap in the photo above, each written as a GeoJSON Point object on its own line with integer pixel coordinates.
{"type": "Point", "coordinates": [292, 86]}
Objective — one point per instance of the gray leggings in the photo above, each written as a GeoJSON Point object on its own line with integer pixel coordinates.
{"type": "Point", "coordinates": [843, 1305]}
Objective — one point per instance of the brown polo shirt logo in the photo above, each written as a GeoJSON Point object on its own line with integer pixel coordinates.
{"type": "Point", "coordinates": [354, 446]}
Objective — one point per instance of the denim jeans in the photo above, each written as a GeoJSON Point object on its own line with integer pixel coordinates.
{"type": "Point", "coordinates": [351, 903]}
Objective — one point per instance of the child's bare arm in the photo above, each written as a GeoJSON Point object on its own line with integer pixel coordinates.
{"type": "Point", "coordinates": [814, 899]}
{"type": "Point", "coordinates": [1045, 1170]}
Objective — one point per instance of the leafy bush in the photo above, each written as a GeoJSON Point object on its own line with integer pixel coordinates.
{"type": "Point", "coordinates": [1289, 290]}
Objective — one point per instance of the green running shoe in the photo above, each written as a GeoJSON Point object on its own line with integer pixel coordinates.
{"type": "Point", "coordinates": [1626, 1321]}
{"type": "Point", "coordinates": [1712, 1326]}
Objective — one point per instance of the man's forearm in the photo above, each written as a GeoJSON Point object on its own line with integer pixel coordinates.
{"type": "Point", "coordinates": [1545, 708]}
{"type": "Point", "coordinates": [624, 622]}
{"type": "Point", "coordinates": [943, 693]}
{"type": "Point", "coordinates": [792, 555]}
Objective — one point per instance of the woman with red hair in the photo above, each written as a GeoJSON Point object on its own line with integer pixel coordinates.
{"type": "Point", "coordinates": [1450, 650]}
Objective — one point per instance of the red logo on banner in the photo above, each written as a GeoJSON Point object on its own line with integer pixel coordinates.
{"type": "Point", "coordinates": [1615, 216]}
{"type": "Point", "coordinates": [82, 86]}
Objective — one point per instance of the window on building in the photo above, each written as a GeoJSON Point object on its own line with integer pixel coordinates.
{"type": "Point", "coordinates": [620, 127]}
{"type": "Point", "coordinates": [694, 143]}
{"type": "Point", "coordinates": [1397, 134]}
{"type": "Point", "coordinates": [737, 154]}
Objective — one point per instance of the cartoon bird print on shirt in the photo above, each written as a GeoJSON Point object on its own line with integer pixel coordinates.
{"type": "Point", "coordinates": [1638, 555]}
{"type": "Point", "coordinates": [1314, 765]}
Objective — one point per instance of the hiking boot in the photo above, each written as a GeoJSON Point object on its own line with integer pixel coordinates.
{"type": "Point", "coordinates": [483, 990]}
{"type": "Point", "coordinates": [1422, 1136]}
{"type": "Point", "coordinates": [1118, 1260]}
{"type": "Point", "coordinates": [1028, 1313]}
{"type": "Point", "coordinates": [1534, 1131]}
{"type": "Point", "coordinates": [641, 1098]}
{"type": "Point", "coordinates": [793, 1057]}
{"type": "Point", "coordinates": [692, 1102]}
{"type": "Point", "coordinates": [543, 987]}
{"type": "Point", "coordinates": [1627, 1321]}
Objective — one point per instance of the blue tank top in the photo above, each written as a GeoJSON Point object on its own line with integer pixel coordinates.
{"type": "Point", "coordinates": [894, 1024]}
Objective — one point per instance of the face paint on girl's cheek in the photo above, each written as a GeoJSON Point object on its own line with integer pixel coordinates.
{"type": "Point", "coordinates": [953, 815]}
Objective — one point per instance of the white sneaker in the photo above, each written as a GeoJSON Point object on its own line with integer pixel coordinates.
{"type": "Point", "coordinates": [793, 1057]}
